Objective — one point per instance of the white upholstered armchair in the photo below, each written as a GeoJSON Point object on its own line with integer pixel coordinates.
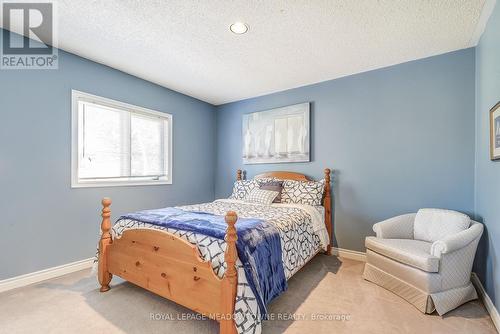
{"type": "Point", "coordinates": [425, 257]}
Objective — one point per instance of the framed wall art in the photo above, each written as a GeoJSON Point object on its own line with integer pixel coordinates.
{"type": "Point", "coordinates": [277, 135]}
{"type": "Point", "coordinates": [495, 132]}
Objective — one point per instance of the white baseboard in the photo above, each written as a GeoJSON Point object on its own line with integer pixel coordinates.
{"type": "Point", "coordinates": [488, 303]}
{"type": "Point", "coordinates": [349, 254]}
{"type": "Point", "coordinates": [42, 275]}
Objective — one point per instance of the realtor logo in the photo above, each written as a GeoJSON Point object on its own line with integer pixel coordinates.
{"type": "Point", "coordinates": [28, 36]}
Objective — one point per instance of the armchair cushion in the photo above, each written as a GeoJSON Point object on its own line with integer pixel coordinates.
{"type": "Point", "coordinates": [415, 253]}
{"type": "Point", "coordinates": [435, 224]}
{"type": "Point", "coordinates": [400, 227]}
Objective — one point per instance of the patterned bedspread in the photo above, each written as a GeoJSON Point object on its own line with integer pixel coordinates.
{"type": "Point", "coordinates": [301, 234]}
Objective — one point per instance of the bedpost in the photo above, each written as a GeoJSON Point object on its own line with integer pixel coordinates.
{"type": "Point", "coordinates": [103, 274]}
{"type": "Point", "coordinates": [230, 281]}
{"type": "Point", "coordinates": [327, 204]}
{"type": "Point", "coordinates": [238, 175]}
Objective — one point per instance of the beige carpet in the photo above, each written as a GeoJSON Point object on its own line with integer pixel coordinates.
{"type": "Point", "coordinates": [326, 286]}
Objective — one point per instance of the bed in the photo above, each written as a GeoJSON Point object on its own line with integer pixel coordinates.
{"type": "Point", "coordinates": [212, 274]}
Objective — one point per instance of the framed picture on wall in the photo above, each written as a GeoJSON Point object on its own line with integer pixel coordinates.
{"type": "Point", "coordinates": [495, 132]}
{"type": "Point", "coordinates": [276, 135]}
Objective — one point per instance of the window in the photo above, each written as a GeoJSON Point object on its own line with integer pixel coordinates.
{"type": "Point", "coordinates": [117, 144]}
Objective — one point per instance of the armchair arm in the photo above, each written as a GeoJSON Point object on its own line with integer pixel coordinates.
{"type": "Point", "coordinates": [400, 227]}
{"type": "Point", "coordinates": [457, 241]}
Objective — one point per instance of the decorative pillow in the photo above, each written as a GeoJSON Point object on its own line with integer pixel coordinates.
{"type": "Point", "coordinates": [263, 180]}
{"type": "Point", "coordinates": [303, 192]}
{"type": "Point", "coordinates": [242, 188]}
{"type": "Point", "coordinates": [434, 224]}
{"type": "Point", "coordinates": [274, 185]}
{"type": "Point", "coordinates": [261, 196]}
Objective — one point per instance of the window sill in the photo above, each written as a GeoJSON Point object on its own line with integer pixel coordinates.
{"type": "Point", "coordinates": [91, 184]}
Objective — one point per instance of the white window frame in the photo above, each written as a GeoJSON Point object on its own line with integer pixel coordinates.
{"type": "Point", "coordinates": [76, 127]}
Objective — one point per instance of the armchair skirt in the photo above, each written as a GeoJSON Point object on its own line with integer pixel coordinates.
{"type": "Point", "coordinates": [414, 285]}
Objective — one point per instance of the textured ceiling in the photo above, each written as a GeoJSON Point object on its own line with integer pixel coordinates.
{"type": "Point", "coordinates": [187, 46]}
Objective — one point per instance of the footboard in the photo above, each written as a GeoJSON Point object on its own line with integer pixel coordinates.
{"type": "Point", "coordinates": [172, 268]}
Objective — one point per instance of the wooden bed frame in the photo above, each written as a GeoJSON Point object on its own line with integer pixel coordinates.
{"type": "Point", "coordinates": [172, 267]}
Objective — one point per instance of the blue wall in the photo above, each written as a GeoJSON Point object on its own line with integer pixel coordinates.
{"type": "Point", "coordinates": [46, 223]}
{"type": "Point", "coordinates": [398, 139]}
{"type": "Point", "coordinates": [487, 191]}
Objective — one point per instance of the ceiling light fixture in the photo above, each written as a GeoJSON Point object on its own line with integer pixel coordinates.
{"type": "Point", "coordinates": [238, 28]}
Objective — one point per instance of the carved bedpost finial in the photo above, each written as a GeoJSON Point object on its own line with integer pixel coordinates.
{"type": "Point", "coordinates": [231, 237]}
{"type": "Point", "coordinates": [231, 218]}
{"type": "Point", "coordinates": [106, 214]}
{"type": "Point", "coordinates": [103, 275]}
{"type": "Point", "coordinates": [238, 174]}
{"type": "Point", "coordinates": [327, 182]}
{"type": "Point", "coordinates": [327, 174]}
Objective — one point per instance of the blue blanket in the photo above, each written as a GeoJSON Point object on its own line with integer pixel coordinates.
{"type": "Point", "coordinates": [258, 245]}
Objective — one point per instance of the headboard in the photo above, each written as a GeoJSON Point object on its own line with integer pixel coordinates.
{"type": "Point", "coordinates": [327, 198]}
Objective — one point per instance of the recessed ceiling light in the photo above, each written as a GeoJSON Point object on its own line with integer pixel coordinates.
{"type": "Point", "coordinates": [238, 28]}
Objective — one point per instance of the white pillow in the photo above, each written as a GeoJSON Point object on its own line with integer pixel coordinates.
{"type": "Point", "coordinates": [435, 224]}
{"type": "Point", "coordinates": [303, 192]}
{"type": "Point", "coordinates": [242, 188]}
{"type": "Point", "coordinates": [261, 196]}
